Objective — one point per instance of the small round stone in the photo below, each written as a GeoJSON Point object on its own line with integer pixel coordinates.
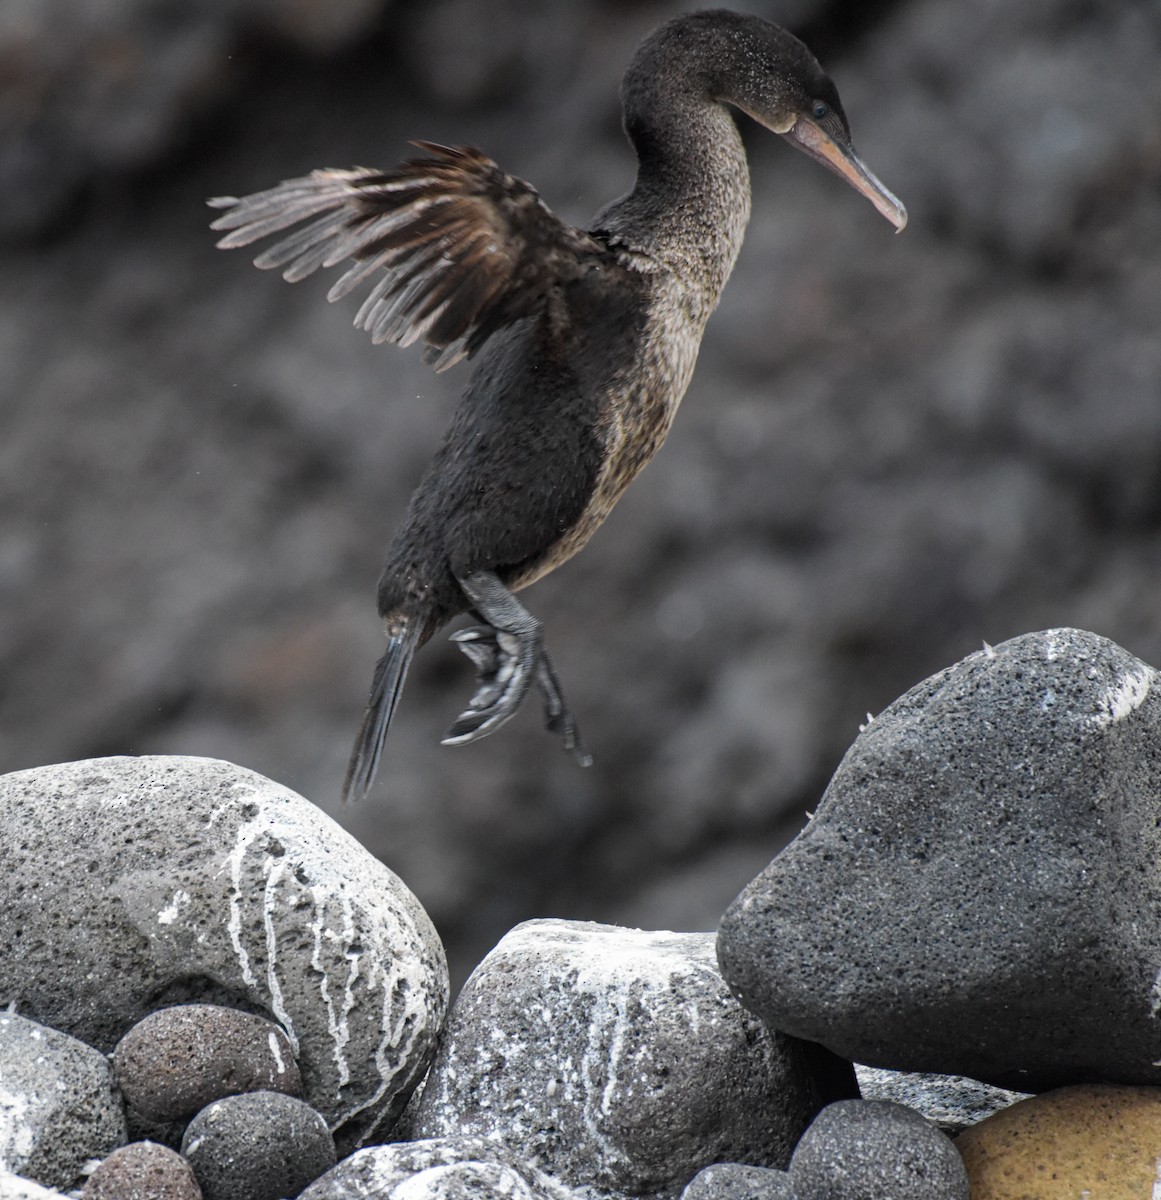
{"type": "Point", "coordinates": [177, 1060]}
{"type": "Point", "coordinates": [860, 1148]}
{"type": "Point", "coordinates": [258, 1146]}
{"type": "Point", "coordinates": [142, 1171]}
{"type": "Point", "coordinates": [735, 1181]}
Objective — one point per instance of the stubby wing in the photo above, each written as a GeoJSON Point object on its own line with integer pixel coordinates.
{"type": "Point", "coordinates": [454, 248]}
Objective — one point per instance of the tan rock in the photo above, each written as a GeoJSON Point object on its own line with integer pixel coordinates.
{"type": "Point", "coordinates": [1090, 1142]}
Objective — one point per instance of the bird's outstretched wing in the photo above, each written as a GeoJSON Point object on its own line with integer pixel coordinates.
{"type": "Point", "coordinates": [455, 248]}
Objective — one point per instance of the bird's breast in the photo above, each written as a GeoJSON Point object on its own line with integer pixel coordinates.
{"type": "Point", "coordinates": [640, 401]}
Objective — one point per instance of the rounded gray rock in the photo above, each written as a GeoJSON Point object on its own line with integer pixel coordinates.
{"type": "Point", "coordinates": [142, 1171]}
{"type": "Point", "coordinates": [734, 1181]}
{"type": "Point", "coordinates": [58, 1104]}
{"type": "Point", "coordinates": [177, 1060]}
{"type": "Point", "coordinates": [452, 1168]}
{"type": "Point", "coordinates": [978, 892]}
{"type": "Point", "coordinates": [259, 1146]}
{"type": "Point", "coordinates": [855, 1149]}
{"type": "Point", "coordinates": [616, 1059]}
{"type": "Point", "coordinates": [136, 883]}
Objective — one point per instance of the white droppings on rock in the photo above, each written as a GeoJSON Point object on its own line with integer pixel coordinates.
{"type": "Point", "coordinates": [276, 1052]}
{"type": "Point", "coordinates": [275, 866]}
{"type": "Point", "coordinates": [282, 904]}
{"type": "Point", "coordinates": [245, 835]}
{"type": "Point", "coordinates": [1124, 697]}
{"type": "Point", "coordinates": [16, 1135]}
{"type": "Point", "coordinates": [337, 1023]}
{"type": "Point", "coordinates": [170, 912]}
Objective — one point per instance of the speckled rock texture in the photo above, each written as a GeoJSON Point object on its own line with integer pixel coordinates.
{"type": "Point", "coordinates": [617, 1059]}
{"type": "Point", "coordinates": [136, 883]}
{"type": "Point", "coordinates": [950, 1102]}
{"type": "Point", "coordinates": [58, 1104]}
{"type": "Point", "coordinates": [978, 891]}
{"type": "Point", "coordinates": [260, 1146]}
{"type": "Point", "coordinates": [733, 1181]}
{"type": "Point", "coordinates": [142, 1171]}
{"type": "Point", "coordinates": [1098, 1142]}
{"type": "Point", "coordinates": [177, 1060]}
{"type": "Point", "coordinates": [860, 1149]}
{"type": "Point", "coordinates": [453, 1168]}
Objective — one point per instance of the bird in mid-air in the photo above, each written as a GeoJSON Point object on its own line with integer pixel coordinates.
{"type": "Point", "coordinates": [583, 339]}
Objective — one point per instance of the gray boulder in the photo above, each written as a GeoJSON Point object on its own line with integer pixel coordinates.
{"type": "Point", "coordinates": [455, 1168]}
{"type": "Point", "coordinates": [876, 1150]}
{"type": "Point", "coordinates": [140, 883]}
{"type": "Point", "coordinates": [978, 891]}
{"type": "Point", "coordinates": [58, 1104]}
{"type": "Point", "coordinates": [616, 1059]}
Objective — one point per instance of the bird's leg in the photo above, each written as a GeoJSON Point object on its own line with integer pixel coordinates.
{"type": "Point", "coordinates": [509, 655]}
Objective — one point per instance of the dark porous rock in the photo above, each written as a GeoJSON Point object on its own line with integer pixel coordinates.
{"type": "Point", "coordinates": [453, 1168]}
{"type": "Point", "coordinates": [950, 1102]}
{"type": "Point", "coordinates": [137, 883]}
{"type": "Point", "coordinates": [177, 1060]}
{"type": "Point", "coordinates": [856, 1149]}
{"type": "Point", "coordinates": [58, 1104]}
{"type": "Point", "coordinates": [616, 1059]}
{"type": "Point", "coordinates": [977, 892]}
{"type": "Point", "coordinates": [733, 1181]}
{"type": "Point", "coordinates": [259, 1146]}
{"type": "Point", "coordinates": [142, 1171]}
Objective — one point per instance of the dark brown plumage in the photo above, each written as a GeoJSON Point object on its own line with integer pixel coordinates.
{"type": "Point", "coordinates": [584, 341]}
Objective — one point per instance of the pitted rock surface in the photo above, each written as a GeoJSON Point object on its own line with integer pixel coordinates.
{"type": "Point", "coordinates": [260, 1146]}
{"type": "Point", "coordinates": [978, 892]}
{"type": "Point", "coordinates": [58, 1105]}
{"type": "Point", "coordinates": [857, 1149]}
{"type": "Point", "coordinates": [616, 1059]}
{"type": "Point", "coordinates": [732, 1181]}
{"type": "Point", "coordinates": [142, 1171]}
{"type": "Point", "coordinates": [452, 1168]}
{"type": "Point", "coordinates": [135, 883]}
{"type": "Point", "coordinates": [177, 1060]}
{"type": "Point", "coordinates": [1097, 1142]}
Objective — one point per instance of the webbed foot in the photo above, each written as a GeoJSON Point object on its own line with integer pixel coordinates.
{"type": "Point", "coordinates": [508, 661]}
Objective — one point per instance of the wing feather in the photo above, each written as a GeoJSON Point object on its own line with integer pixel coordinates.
{"type": "Point", "coordinates": [454, 249]}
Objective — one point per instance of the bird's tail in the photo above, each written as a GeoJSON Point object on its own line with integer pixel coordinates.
{"type": "Point", "coordinates": [390, 672]}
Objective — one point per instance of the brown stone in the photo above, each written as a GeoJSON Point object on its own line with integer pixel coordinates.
{"type": "Point", "coordinates": [1096, 1141]}
{"type": "Point", "coordinates": [142, 1171]}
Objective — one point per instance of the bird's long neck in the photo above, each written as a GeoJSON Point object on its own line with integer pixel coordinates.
{"type": "Point", "coordinates": [691, 201]}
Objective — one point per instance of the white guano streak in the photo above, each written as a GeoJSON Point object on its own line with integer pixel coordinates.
{"type": "Point", "coordinates": [337, 1024]}
{"type": "Point", "coordinates": [1124, 697]}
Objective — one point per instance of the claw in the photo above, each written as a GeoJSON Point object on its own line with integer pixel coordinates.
{"type": "Point", "coordinates": [506, 666]}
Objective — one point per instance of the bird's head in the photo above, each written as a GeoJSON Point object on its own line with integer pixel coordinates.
{"type": "Point", "coordinates": [767, 73]}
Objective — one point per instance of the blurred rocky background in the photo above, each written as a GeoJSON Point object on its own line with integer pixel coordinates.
{"type": "Point", "coordinates": [894, 447]}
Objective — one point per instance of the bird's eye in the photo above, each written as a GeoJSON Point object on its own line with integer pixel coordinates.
{"type": "Point", "coordinates": [820, 110]}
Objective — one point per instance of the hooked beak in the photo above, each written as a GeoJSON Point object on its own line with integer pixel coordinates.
{"type": "Point", "coordinates": [843, 161]}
